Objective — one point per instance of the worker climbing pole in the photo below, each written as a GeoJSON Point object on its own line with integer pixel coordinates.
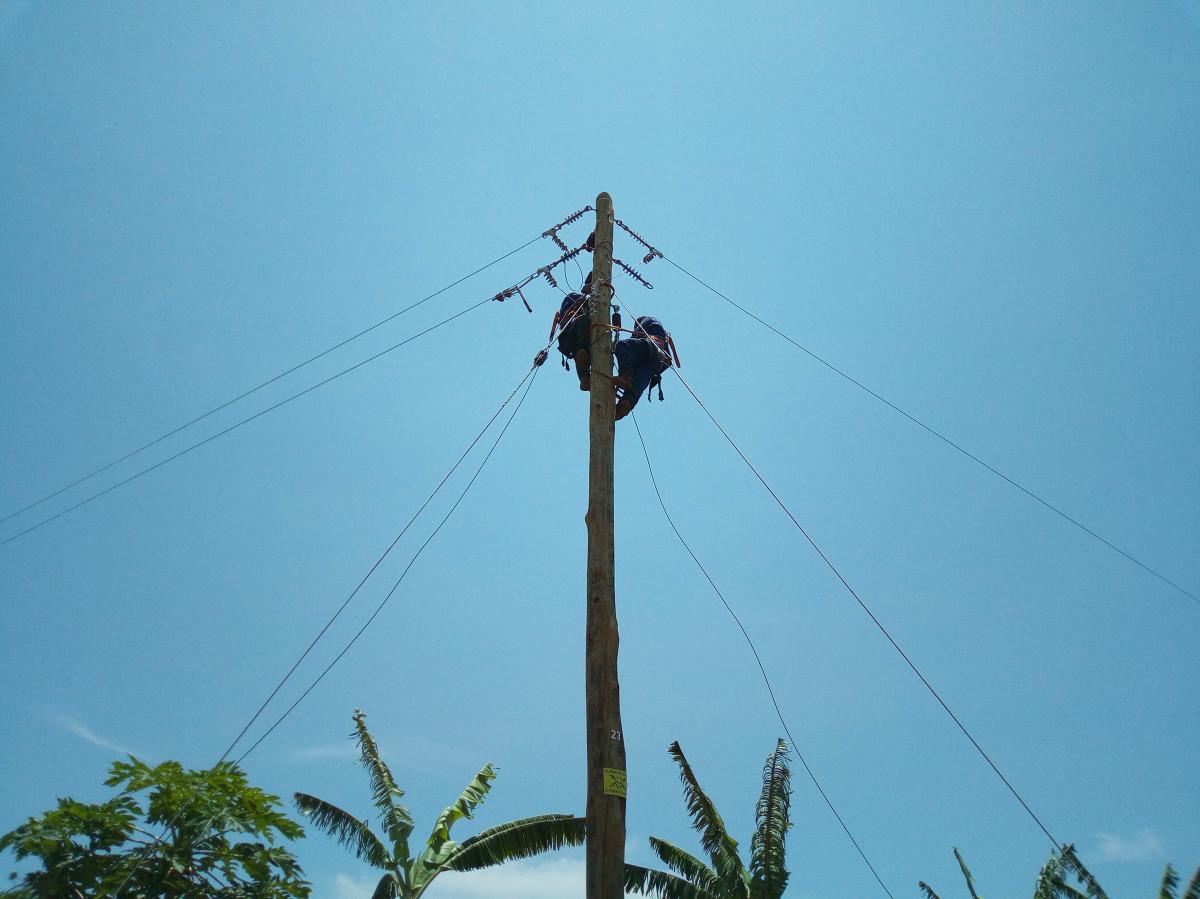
{"type": "Point", "coordinates": [606, 778]}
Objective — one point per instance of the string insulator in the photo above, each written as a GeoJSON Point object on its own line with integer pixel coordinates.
{"type": "Point", "coordinates": [633, 273]}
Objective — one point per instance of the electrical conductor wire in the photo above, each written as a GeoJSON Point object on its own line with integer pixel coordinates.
{"type": "Point", "coordinates": [761, 668]}
{"type": "Point", "coordinates": [871, 614]}
{"type": "Point", "coordinates": [942, 437]}
{"type": "Point", "coordinates": [372, 569]}
{"type": "Point", "coordinates": [396, 585]}
{"type": "Point", "coordinates": [379, 561]}
{"type": "Point", "coordinates": [234, 427]}
{"type": "Point", "coordinates": [533, 370]}
{"type": "Point", "coordinates": [266, 383]}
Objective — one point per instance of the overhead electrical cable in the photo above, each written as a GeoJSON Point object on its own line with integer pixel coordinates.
{"type": "Point", "coordinates": [266, 383]}
{"type": "Point", "coordinates": [399, 580]}
{"type": "Point", "coordinates": [829, 563]}
{"type": "Point", "coordinates": [757, 658]}
{"type": "Point", "coordinates": [527, 377]}
{"type": "Point", "coordinates": [371, 570]}
{"type": "Point", "coordinates": [235, 426]}
{"type": "Point", "coordinates": [942, 437]}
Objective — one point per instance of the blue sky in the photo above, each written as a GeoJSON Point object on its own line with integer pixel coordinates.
{"type": "Point", "coordinates": [986, 212]}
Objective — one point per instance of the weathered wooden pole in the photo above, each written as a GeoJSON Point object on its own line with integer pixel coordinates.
{"type": "Point", "coordinates": [605, 737]}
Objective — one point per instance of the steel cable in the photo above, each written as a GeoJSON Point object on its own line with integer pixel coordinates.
{"type": "Point", "coordinates": [235, 426]}
{"type": "Point", "coordinates": [527, 377]}
{"type": "Point", "coordinates": [266, 383]}
{"type": "Point", "coordinates": [757, 658]}
{"type": "Point", "coordinates": [371, 570]}
{"type": "Point", "coordinates": [942, 437]}
{"type": "Point", "coordinates": [829, 563]}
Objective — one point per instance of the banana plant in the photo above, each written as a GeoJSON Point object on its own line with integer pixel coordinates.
{"type": "Point", "coordinates": [1170, 883]}
{"type": "Point", "coordinates": [1052, 882]}
{"type": "Point", "coordinates": [727, 877]}
{"type": "Point", "coordinates": [930, 894]}
{"type": "Point", "coordinates": [407, 876]}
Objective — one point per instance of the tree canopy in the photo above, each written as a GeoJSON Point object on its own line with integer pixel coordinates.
{"type": "Point", "coordinates": [168, 831]}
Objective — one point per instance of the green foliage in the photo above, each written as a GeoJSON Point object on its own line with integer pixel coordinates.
{"type": "Point", "coordinates": [1072, 864]}
{"type": "Point", "coordinates": [406, 876]}
{"type": "Point", "coordinates": [648, 882]}
{"type": "Point", "coordinates": [1052, 882]}
{"type": "Point", "coordinates": [218, 839]}
{"type": "Point", "coordinates": [397, 822]}
{"type": "Point", "coordinates": [517, 839]}
{"type": "Point", "coordinates": [1193, 890]}
{"type": "Point", "coordinates": [727, 878]}
{"type": "Point", "coordinates": [768, 872]}
{"type": "Point", "coordinates": [1170, 882]}
{"type": "Point", "coordinates": [962, 866]}
{"type": "Point", "coordinates": [440, 848]}
{"type": "Point", "coordinates": [686, 865]}
{"type": "Point", "coordinates": [352, 833]}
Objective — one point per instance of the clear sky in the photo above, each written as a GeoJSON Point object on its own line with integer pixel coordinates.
{"type": "Point", "coordinates": [987, 212]}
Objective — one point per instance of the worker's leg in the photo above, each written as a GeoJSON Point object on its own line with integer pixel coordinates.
{"type": "Point", "coordinates": [630, 354]}
{"type": "Point", "coordinates": [573, 342]}
{"type": "Point", "coordinates": [637, 361]}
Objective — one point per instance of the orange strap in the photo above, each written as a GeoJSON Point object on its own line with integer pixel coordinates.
{"type": "Point", "coordinates": [674, 352]}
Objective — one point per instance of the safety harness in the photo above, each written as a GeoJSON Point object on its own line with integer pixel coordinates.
{"type": "Point", "coordinates": [651, 328]}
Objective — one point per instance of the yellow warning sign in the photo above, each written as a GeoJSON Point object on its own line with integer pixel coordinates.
{"type": "Point", "coordinates": [615, 782]}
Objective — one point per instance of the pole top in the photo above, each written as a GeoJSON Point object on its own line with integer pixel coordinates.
{"type": "Point", "coordinates": [603, 197]}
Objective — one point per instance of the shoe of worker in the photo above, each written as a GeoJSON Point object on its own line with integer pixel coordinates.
{"type": "Point", "coordinates": [624, 407]}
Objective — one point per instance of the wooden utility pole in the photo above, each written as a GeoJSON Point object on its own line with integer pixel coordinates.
{"type": "Point", "coordinates": [605, 739]}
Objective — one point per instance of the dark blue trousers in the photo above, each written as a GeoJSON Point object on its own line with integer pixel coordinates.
{"type": "Point", "coordinates": [640, 359]}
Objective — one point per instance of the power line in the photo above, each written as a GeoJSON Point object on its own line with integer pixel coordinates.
{"type": "Point", "coordinates": [762, 669]}
{"type": "Point", "coordinates": [237, 425]}
{"type": "Point", "coordinates": [870, 614]}
{"type": "Point", "coordinates": [371, 571]}
{"type": "Point", "coordinates": [354, 639]}
{"type": "Point", "coordinates": [266, 383]}
{"type": "Point", "coordinates": [539, 359]}
{"type": "Point", "coordinates": [404, 573]}
{"type": "Point", "coordinates": [942, 437]}
{"type": "Point", "coordinates": [532, 371]}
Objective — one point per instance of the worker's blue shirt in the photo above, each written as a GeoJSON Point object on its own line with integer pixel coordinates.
{"type": "Point", "coordinates": [572, 303]}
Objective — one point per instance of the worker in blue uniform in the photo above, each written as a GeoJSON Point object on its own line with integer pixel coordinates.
{"type": "Point", "coordinates": [641, 360]}
{"type": "Point", "coordinates": [574, 317]}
